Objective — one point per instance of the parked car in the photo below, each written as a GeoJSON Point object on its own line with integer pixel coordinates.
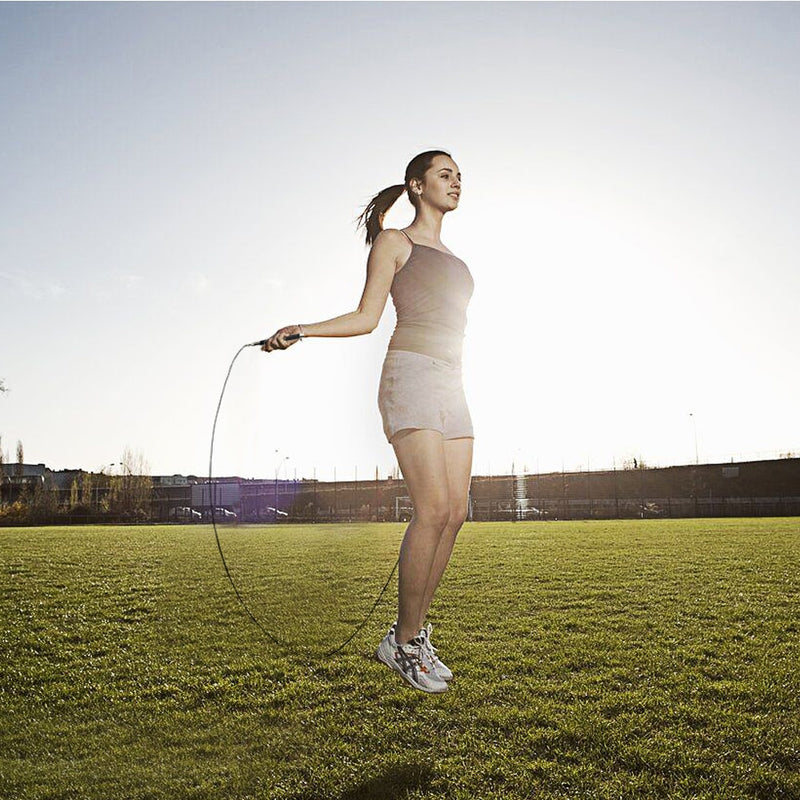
{"type": "Point", "coordinates": [508, 509]}
{"type": "Point", "coordinates": [220, 515]}
{"type": "Point", "coordinates": [185, 514]}
{"type": "Point", "coordinates": [650, 511]}
{"type": "Point", "coordinates": [270, 514]}
{"type": "Point", "coordinates": [536, 513]}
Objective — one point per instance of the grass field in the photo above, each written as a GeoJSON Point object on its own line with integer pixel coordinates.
{"type": "Point", "coordinates": [638, 659]}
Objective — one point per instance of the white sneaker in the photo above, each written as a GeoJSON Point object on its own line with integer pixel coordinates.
{"type": "Point", "coordinates": [442, 670]}
{"type": "Point", "coordinates": [411, 662]}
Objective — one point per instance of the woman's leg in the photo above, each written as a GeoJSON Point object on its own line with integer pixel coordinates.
{"type": "Point", "coordinates": [458, 461]}
{"type": "Point", "coordinates": [421, 455]}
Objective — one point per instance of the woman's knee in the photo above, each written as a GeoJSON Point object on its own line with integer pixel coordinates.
{"type": "Point", "coordinates": [457, 516]}
{"type": "Point", "coordinates": [435, 514]}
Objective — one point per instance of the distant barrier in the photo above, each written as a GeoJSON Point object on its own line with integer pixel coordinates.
{"type": "Point", "coordinates": [746, 489]}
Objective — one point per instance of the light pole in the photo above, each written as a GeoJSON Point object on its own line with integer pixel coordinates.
{"type": "Point", "coordinates": [280, 462]}
{"type": "Point", "coordinates": [696, 462]}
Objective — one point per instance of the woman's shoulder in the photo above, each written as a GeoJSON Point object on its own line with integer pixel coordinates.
{"type": "Point", "coordinates": [392, 244]}
{"type": "Point", "coordinates": [392, 237]}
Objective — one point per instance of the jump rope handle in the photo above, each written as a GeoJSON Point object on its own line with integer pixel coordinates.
{"type": "Point", "coordinates": [290, 338]}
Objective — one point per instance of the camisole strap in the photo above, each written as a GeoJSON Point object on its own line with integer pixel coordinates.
{"type": "Point", "coordinates": [407, 236]}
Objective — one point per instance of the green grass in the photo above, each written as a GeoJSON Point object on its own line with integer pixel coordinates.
{"type": "Point", "coordinates": [649, 659]}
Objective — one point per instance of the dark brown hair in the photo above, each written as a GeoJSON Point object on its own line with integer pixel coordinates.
{"type": "Point", "coordinates": [371, 218]}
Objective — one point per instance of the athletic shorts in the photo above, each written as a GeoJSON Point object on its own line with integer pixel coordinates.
{"type": "Point", "coordinates": [418, 391]}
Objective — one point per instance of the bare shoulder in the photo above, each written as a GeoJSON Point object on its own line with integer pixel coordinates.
{"type": "Point", "coordinates": [391, 245]}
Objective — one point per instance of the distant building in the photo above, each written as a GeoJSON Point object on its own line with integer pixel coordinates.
{"type": "Point", "coordinates": [17, 477]}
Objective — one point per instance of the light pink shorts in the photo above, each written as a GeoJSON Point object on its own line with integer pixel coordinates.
{"type": "Point", "coordinates": [418, 391]}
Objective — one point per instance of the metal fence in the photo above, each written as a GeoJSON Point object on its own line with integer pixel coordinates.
{"type": "Point", "coordinates": [765, 488]}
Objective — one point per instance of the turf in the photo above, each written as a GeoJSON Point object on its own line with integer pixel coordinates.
{"type": "Point", "coordinates": [637, 659]}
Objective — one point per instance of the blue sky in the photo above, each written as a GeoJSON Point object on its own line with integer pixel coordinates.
{"type": "Point", "coordinates": [181, 178]}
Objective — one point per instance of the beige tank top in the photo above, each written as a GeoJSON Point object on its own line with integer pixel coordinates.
{"type": "Point", "coordinates": [430, 295]}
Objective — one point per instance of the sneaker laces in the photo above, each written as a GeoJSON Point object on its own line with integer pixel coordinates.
{"type": "Point", "coordinates": [412, 658]}
{"type": "Point", "coordinates": [426, 635]}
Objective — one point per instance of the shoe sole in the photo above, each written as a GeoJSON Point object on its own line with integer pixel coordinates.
{"type": "Point", "coordinates": [390, 662]}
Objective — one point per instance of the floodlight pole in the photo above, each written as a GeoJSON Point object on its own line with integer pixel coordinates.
{"type": "Point", "coordinates": [281, 461]}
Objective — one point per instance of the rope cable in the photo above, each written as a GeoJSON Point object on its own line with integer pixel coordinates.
{"type": "Point", "coordinates": [274, 639]}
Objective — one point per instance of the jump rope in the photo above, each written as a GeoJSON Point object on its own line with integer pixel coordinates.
{"type": "Point", "coordinates": [291, 646]}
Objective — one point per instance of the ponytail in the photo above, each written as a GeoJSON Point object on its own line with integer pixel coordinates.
{"type": "Point", "coordinates": [371, 218]}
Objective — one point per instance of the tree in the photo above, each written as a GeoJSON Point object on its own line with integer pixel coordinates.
{"type": "Point", "coordinates": [131, 491]}
{"type": "Point", "coordinates": [18, 470]}
{"type": "Point", "coordinates": [43, 502]}
{"type": "Point", "coordinates": [86, 489]}
{"type": "Point", "coordinates": [632, 462]}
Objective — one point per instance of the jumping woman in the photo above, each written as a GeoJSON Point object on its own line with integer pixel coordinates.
{"type": "Point", "coordinates": [421, 396]}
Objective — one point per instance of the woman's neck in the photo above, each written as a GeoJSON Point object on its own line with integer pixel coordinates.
{"type": "Point", "coordinates": [427, 225]}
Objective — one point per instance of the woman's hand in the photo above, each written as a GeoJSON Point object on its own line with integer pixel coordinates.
{"type": "Point", "coordinates": [278, 340]}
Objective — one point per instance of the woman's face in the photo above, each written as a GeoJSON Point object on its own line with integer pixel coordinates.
{"type": "Point", "coordinates": [441, 185]}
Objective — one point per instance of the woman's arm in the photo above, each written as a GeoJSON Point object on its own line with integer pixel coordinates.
{"type": "Point", "coordinates": [386, 255]}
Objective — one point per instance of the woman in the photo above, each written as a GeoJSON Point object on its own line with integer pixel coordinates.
{"type": "Point", "coordinates": [421, 397]}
